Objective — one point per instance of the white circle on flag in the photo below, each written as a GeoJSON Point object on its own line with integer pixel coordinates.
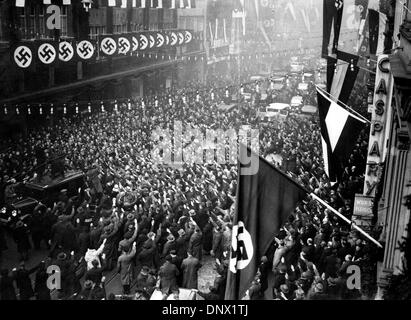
{"type": "Point", "coordinates": [123, 45]}
{"type": "Point", "coordinates": [143, 42]}
{"type": "Point", "coordinates": [160, 40]}
{"type": "Point", "coordinates": [188, 36]}
{"type": "Point", "coordinates": [152, 41]}
{"type": "Point", "coordinates": [174, 38]}
{"type": "Point", "coordinates": [85, 49]}
{"type": "Point", "coordinates": [66, 51]}
{"type": "Point", "coordinates": [23, 56]}
{"type": "Point", "coordinates": [108, 46]}
{"type": "Point", "coordinates": [47, 53]}
{"type": "Point", "coordinates": [180, 38]}
{"type": "Point", "coordinates": [241, 244]}
{"type": "Point", "coordinates": [135, 43]}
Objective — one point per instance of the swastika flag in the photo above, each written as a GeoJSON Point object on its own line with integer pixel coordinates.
{"type": "Point", "coordinates": [23, 55]}
{"type": "Point", "coordinates": [265, 199]}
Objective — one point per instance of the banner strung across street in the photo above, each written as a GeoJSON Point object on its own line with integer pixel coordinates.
{"type": "Point", "coordinates": [27, 54]}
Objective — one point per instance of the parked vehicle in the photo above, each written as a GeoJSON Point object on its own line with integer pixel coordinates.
{"type": "Point", "coordinates": [308, 111]}
{"type": "Point", "coordinates": [46, 191]}
{"type": "Point", "coordinates": [274, 111]}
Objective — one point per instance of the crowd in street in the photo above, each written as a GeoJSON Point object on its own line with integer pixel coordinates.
{"type": "Point", "coordinates": [155, 224]}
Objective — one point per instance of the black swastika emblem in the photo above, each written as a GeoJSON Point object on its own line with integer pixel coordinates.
{"type": "Point", "coordinates": [152, 41]}
{"type": "Point", "coordinates": [23, 56]}
{"type": "Point", "coordinates": [180, 38]}
{"type": "Point", "coordinates": [108, 46]}
{"type": "Point", "coordinates": [85, 49]}
{"type": "Point", "coordinates": [66, 51]}
{"type": "Point", "coordinates": [135, 44]}
{"type": "Point", "coordinates": [241, 252]}
{"type": "Point", "coordinates": [47, 53]}
{"type": "Point", "coordinates": [160, 40]}
{"type": "Point", "coordinates": [143, 42]}
{"type": "Point", "coordinates": [188, 37]}
{"type": "Point", "coordinates": [173, 39]}
{"type": "Point", "coordinates": [123, 46]}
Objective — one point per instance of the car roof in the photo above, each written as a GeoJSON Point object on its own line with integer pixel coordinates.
{"type": "Point", "coordinates": [309, 109]}
{"type": "Point", "coordinates": [278, 106]}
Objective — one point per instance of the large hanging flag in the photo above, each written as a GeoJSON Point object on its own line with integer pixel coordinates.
{"type": "Point", "coordinates": [264, 202]}
{"type": "Point", "coordinates": [86, 50]}
{"type": "Point", "coordinates": [377, 23]}
{"type": "Point", "coordinates": [339, 132]}
{"type": "Point", "coordinates": [47, 52]}
{"type": "Point", "coordinates": [66, 50]}
{"type": "Point", "coordinates": [341, 75]}
{"type": "Point", "coordinates": [108, 45]}
{"type": "Point", "coordinates": [20, 3]}
{"type": "Point", "coordinates": [143, 41]}
{"type": "Point", "coordinates": [124, 44]}
{"type": "Point", "coordinates": [332, 17]}
{"type": "Point", "coordinates": [23, 54]}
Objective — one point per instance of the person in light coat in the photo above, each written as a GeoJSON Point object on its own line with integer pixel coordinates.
{"type": "Point", "coordinates": [93, 254]}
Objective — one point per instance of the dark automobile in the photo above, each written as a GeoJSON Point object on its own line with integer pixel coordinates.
{"type": "Point", "coordinates": [46, 191]}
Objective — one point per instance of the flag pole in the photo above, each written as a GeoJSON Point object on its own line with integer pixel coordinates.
{"type": "Point", "coordinates": [345, 219]}
{"type": "Point", "coordinates": [349, 108]}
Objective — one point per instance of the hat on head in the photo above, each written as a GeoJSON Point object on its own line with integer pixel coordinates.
{"type": "Point", "coordinates": [145, 270]}
{"type": "Point", "coordinates": [319, 287]}
{"type": "Point", "coordinates": [19, 224]}
{"type": "Point", "coordinates": [88, 284]}
{"type": "Point", "coordinates": [284, 288]}
{"type": "Point", "coordinates": [282, 268]}
{"type": "Point", "coordinates": [151, 234]}
{"type": "Point", "coordinates": [108, 229]}
{"type": "Point", "coordinates": [305, 275]}
{"type": "Point", "coordinates": [61, 256]}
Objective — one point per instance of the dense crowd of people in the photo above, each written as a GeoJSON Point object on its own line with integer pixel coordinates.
{"type": "Point", "coordinates": [155, 224]}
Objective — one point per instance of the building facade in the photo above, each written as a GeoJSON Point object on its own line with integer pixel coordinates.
{"type": "Point", "coordinates": [395, 181]}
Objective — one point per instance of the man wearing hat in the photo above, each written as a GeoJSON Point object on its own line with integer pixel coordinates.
{"type": "Point", "coordinates": [168, 277]}
{"type": "Point", "coordinates": [195, 245]}
{"type": "Point", "coordinates": [146, 282]}
{"type": "Point", "coordinates": [125, 268]}
{"type": "Point", "coordinates": [190, 267]}
{"type": "Point", "coordinates": [169, 245]}
{"type": "Point", "coordinates": [129, 237]}
{"type": "Point", "coordinates": [21, 237]}
{"type": "Point", "coordinates": [148, 252]}
{"type": "Point", "coordinates": [23, 281]}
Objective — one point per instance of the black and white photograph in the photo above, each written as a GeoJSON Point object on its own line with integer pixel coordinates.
{"type": "Point", "coordinates": [215, 151]}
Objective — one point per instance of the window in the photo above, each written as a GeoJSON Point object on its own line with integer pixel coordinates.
{"type": "Point", "coordinates": [23, 27]}
{"type": "Point", "coordinates": [42, 29]}
{"type": "Point", "coordinates": [63, 19]}
{"type": "Point", "coordinates": [31, 28]}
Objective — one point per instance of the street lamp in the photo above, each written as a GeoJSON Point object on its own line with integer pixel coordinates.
{"type": "Point", "coordinates": [87, 4]}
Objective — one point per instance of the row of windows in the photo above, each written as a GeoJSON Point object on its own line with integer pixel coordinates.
{"type": "Point", "coordinates": [117, 29]}
{"type": "Point", "coordinates": [33, 23]}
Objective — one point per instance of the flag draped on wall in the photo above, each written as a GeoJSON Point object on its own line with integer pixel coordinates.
{"type": "Point", "coordinates": [341, 75]}
{"type": "Point", "coordinates": [339, 132]}
{"type": "Point", "coordinates": [264, 202]}
{"type": "Point", "coordinates": [377, 25]}
{"type": "Point", "coordinates": [332, 17]}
